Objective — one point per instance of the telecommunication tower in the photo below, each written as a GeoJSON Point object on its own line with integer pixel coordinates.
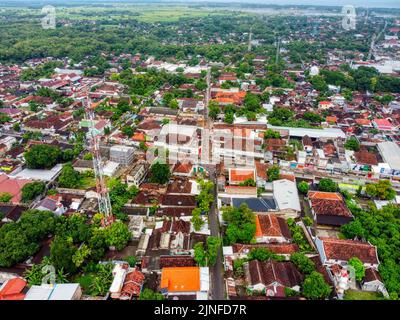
{"type": "Point", "coordinates": [101, 188]}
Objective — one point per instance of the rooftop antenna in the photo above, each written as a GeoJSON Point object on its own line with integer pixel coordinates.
{"type": "Point", "coordinates": [101, 188]}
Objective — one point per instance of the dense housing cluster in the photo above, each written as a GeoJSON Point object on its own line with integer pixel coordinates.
{"type": "Point", "coordinates": [243, 158]}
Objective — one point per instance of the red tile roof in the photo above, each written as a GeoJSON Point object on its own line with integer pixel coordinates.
{"type": "Point", "coordinates": [271, 271]}
{"type": "Point", "coordinates": [240, 175]}
{"type": "Point", "coordinates": [271, 226]}
{"type": "Point", "coordinates": [365, 157]}
{"type": "Point", "coordinates": [338, 249]}
{"type": "Point", "coordinates": [12, 289]}
{"type": "Point", "coordinates": [12, 186]}
{"type": "Point", "coordinates": [133, 283]}
{"type": "Point", "coordinates": [324, 195]}
{"type": "Point", "coordinates": [182, 167]}
{"type": "Point", "coordinates": [287, 248]}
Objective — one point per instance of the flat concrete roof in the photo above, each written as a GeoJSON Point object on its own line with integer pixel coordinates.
{"type": "Point", "coordinates": [312, 133]}
{"type": "Point", "coordinates": [390, 152]}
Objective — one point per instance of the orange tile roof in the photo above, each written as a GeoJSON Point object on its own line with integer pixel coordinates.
{"type": "Point", "coordinates": [324, 195]}
{"type": "Point", "coordinates": [271, 225]}
{"type": "Point", "coordinates": [363, 122]}
{"type": "Point", "coordinates": [138, 136]}
{"type": "Point", "coordinates": [12, 290]}
{"type": "Point", "coordinates": [259, 233]}
{"type": "Point", "coordinates": [236, 175]}
{"type": "Point", "coordinates": [224, 100]}
{"type": "Point", "coordinates": [180, 279]}
{"type": "Point", "coordinates": [331, 119]}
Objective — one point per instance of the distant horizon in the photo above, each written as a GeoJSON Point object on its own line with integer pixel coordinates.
{"type": "Point", "coordinates": [335, 3]}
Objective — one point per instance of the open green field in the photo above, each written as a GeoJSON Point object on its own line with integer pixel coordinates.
{"type": "Point", "coordinates": [362, 295]}
{"type": "Point", "coordinates": [148, 13]}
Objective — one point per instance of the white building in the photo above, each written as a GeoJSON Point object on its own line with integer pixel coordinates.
{"type": "Point", "coordinates": [286, 197]}
{"type": "Point", "coordinates": [181, 141]}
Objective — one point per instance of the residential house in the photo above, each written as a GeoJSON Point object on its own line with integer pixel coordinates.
{"type": "Point", "coordinates": [337, 251]}
{"type": "Point", "coordinates": [329, 208]}
{"type": "Point", "coordinates": [271, 229]}
{"type": "Point", "coordinates": [185, 281]}
{"type": "Point", "coordinates": [287, 198]}
{"type": "Point", "coordinates": [138, 173]}
{"type": "Point", "coordinates": [272, 277]}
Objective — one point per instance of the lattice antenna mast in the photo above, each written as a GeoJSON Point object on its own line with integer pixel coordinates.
{"type": "Point", "coordinates": [101, 188]}
{"type": "Point", "coordinates": [278, 49]}
{"type": "Point", "coordinates": [250, 36]}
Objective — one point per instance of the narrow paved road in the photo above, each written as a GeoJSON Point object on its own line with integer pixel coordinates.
{"type": "Point", "coordinates": [217, 271]}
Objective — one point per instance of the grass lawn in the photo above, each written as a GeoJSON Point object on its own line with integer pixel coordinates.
{"type": "Point", "coordinates": [87, 182]}
{"type": "Point", "coordinates": [362, 295]}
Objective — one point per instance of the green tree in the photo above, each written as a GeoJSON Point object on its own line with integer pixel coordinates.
{"type": "Point", "coordinates": [248, 183]}
{"type": "Point", "coordinates": [315, 287]}
{"type": "Point", "coordinates": [273, 173]}
{"type": "Point", "coordinates": [302, 262]}
{"type": "Point", "coordinates": [62, 251]}
{"type": "Point", "coordinates": [271, 134]}
{"type": "Point", "coordinates": [252, 102]}
{"type": "Point", "coordinates": [69, 177]}
{"type": "Point", "coordinates": [214, 110]}
{"type": "Point", "coordinates": [131, 260]}
{"type": "Point", "coordinates": [42, 156]}
{"type": "Point", "coordinates": [5, 197]}
{"type": "Point", "coordinates": [102, 280]}
{"type": "Point", "coordinates": [197, 220]}
{"type": "Point", "coordinates": [200, 256]}
{"type": "Point", "coordinates": [4, 118]}
{"type": "Point", "coordinates": [261, 254]}
{"type": "Point", "coordinates": [160, 173]}
{"type": "Point", "coordinates": [81, 255]}
{"type": "Point", "coordinates": [241, 224]}
{"type": "Point", "coordinates": [358, 267]}
{"type": "Point", "coordinates": [327, 185]}
{"type": "Point", "coordinates": [173, 104]}
{"type": "Point", "coordinates": [213, 246]}
{"type": "Point", "coordinates": [128, 131]}
{"type": "Point", "coordinates": [303, 187]}
{"type": "Point", "coordinates": [88, 156]}
{"type": "Point", "coordinates": [16, 127]}
{"type": "Point", "coordinates": [31, 190]}
{"type": "Point", "coordinates": [312, 117]}
{"type": "Point", "coordinates": [381, 190]}
{"type": "Point", "coordinates": [117, 235]}
{"type": "Point", "coordinates": [352, 144]}
{"type": "Point", "coordinates": [148, 294]}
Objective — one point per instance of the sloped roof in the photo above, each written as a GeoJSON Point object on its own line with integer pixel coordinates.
{"type": "Point", "coordinates": [240, 175]}
{"type": "Point", "coordinates": [268, 272]}
{"type": "Point", "coordinates": [271, 226]}
{"type": "Point", "coordinates": [180, 279]}
{"type": "Point", "coordinates": [12, 289]}
{"type": "Point", "coordinates": [339, 249]}
{"type": "Point", "coordinates": [286, 195]}
{"type": "Point", "coordinates": [281, 248]}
